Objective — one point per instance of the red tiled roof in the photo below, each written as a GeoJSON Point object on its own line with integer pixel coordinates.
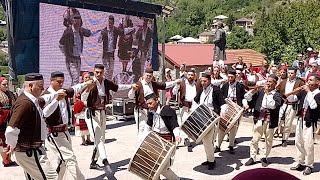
{"type": "Point", "coordinates": [202, 54]}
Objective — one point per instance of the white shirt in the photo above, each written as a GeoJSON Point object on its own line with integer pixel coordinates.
{"type": "Point", "coordinates": [191, 91]}
{"type": "Point", "coordinates": [101, 89]}
{"type": "Point", "coordinates": [267, 103]}
{"type": "Point", "coordinates": [232, 90]}
{"type": "Point", "coordinates": [147, 88]}
{"type": "Point", "coordinates": [62, 103]}
{"type": "Point", "coordinates": [76, 43]}
{"type": "Point", "coordinates": [12, 134]}
{"type": "Point", "coordinates": [110, 40]}
{"type": "Point", "coordinates": [206, 97]}
{"type": "Point", "coordinates": [289, 88]}
{"type": "Point", "coordinates": [159, 126]}
{"type": "Point", "coordinates": [309, 100]}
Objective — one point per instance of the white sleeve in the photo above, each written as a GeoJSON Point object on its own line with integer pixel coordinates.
{"type": "Point", "coordinates": [217, 82]}
{"type": "Point", "coordinates": [292, 98]}
{"type": "Point", "coordinates": [176, 131]}
{"type": "Point", "coordinates": [244, 103]}
{"type": "Point", "coordinates": [271, 103]}
{"type": "Point", "coordinates": [224, 108]}
{"type": "Point", "coordinates": [131, 94]}
{"type": "Point", "coordinates": [171, 83]}
{"type": "Point", "coordinates": [176, 88]}
{"type": "Point", "coordinates": [260, 83]}
{"type": "Point", "coordinates": [77, 88]}
{"type": "Point", "coordinates": [122, 87]}
{"type": "Point", "coordinates": [49, 97]}
{"type": "Point", "coordinates": [311, 101]}
{"type": "Point", "coordinates": [248, 95]}
{"type": "Point", "coordinates": [50, 108]}
{"type": "Point", "coordinates": [12, 136]}
{"type": "Point", "coordinates": [84, 96]}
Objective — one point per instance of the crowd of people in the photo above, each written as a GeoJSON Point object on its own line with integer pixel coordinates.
{"type": "Point", "coordinates": [273, 94]}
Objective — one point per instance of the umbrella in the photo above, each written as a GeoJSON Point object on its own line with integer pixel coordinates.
{"type": "Point", "coordinates": [221, 17]}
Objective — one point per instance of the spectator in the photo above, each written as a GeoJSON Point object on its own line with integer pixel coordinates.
{"type": "Point", "coordinates": [309, 55]}
{"type": "Point", "coordinates": [295, 63]}
{"type": "Point", "coordinates": [313, 70]}
{"type": "Point", "coordinates": [301, 72]}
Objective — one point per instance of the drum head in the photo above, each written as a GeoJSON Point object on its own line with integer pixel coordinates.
{"type": "Point", "coordinates": [200, 122]}
{"type": "Point", "coordinates": [151, 157]}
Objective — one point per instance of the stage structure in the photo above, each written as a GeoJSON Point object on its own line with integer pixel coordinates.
{"type": "Point", "coordinates": [71, 36]}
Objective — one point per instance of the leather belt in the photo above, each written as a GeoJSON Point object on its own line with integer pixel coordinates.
{"type": "Point", "coordinates": [59, 128]}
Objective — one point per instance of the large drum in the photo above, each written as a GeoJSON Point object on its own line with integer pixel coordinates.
{"type": "Point", "coordinates": [152, 157]}
{"type": "Point", "coordinates": [200, 122]}
{"type": "Point", "coordinates": [233, 114]}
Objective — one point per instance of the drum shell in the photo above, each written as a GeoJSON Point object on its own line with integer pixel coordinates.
{"type": "Point", "coordinates": [151, 157]}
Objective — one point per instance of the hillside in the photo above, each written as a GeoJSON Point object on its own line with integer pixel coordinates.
{"type": "Point", "coordinates": [282, 29]}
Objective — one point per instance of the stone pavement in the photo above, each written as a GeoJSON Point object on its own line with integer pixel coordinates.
{"type": "Point", "coordinates": [121, 145]}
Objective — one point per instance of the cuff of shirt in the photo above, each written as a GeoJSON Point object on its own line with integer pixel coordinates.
{"type": "Point", "coordinates": [12, 136]}
{"type": "Point", "coordinates": [224, 108]}
{"type": "Point", "coordinates": [176, 131]}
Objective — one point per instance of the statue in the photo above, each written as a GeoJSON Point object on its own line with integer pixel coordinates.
{"type": "Point", "coordinates": [219, 46]}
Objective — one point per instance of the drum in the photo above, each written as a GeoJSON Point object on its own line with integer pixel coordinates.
{"type": "Point", "coordinates": [152, 157]}
{"type": "Point", "coordinates": [233, 114]}
{"type": "Point", "coordinates": [200, 122]}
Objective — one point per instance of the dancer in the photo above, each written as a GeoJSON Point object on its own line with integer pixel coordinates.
{"type": "Point", "coordinates": [57, 115]}
{"type": "Point", "coordinates": [27, 131]}
{"type": "Point", "coordinates": [7, 98]}
{"type": "Point", "coordinates": [309, 113]}
{"type": "Point", "coordinates": [163, 121]}
{"type": "Point", "coordinates": [211, 96]}
{"type": "Point", "coordinates": [267, 103]}
{"type": "Point", "coordinates": [96, 100]}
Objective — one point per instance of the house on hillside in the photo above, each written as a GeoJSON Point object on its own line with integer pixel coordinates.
{"type": "Point", "coordinates": [246, 24]}
{"type": "Point", "coordinates": [206, 36]}
{"type": "Point", "coordinates": [200, 56]}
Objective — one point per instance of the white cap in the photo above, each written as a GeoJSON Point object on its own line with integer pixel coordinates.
{"type": "Point", "coordinates": [309, 49]}
{"type": "Point", "coordinates": [167, 70]}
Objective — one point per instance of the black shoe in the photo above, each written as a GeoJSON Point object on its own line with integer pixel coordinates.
{"type": "Point", "coordinates": [205, 163]}
{"type": "Point", "coordinates": [89, 142]}
{"type": "Point", "coordinates": [299, 167]}
{"type": "Point", "coordinates": [231, 150]}
{"type": "Point", "coordinates": [284, 143]}
{"type": "Point", "coordinates": [264, 162]}
{"type": "Point", "coordinates": [307, 171]}
{"type": "Point", "coordinates": [84, 144]}
{"type": "Point", "coordinates": [250, 162]}
{"type": "Point", "coordinates": [94, 165]}
{"type": "Point", "coordinates": [217, 149]}
{"type": "Point", "coordinates": [190, 147]}
{"type": "Point", "coordinates": [107, 167]}
{"type": "Point", "coordinates": [187, 142]}
{"type": "Point", "coordinates": [211, 165]}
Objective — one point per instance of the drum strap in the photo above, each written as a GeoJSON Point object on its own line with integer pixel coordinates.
{"type": "Point", "coordinates": [207, 94]}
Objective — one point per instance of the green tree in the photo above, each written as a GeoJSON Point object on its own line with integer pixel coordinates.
{"type": "Point", "coordinates": [238, 38]}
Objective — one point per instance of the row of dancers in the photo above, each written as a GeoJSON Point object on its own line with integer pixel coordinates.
{"type": "Point", "coordinates": [40, 115]}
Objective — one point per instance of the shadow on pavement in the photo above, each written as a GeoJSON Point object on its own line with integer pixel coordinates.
{"type": "Point", "coordinates": [241, 152]}
{"type": "Point", "coordinates": [116, 166]}
{"type": "Point", "coordinates": [243, 139]}
{"type": "Point", "coordinates": [281, 160]}
{"type": "Point", "coordinates": [110, 140]}
{"type": "Point", "coordinates": [316, 167]}
{"type": "Point", "coordinates": [120, 124]}
{"type": "Point", "coordinates": [221, 168]}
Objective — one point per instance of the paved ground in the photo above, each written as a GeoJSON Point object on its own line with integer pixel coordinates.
{"type": "Point", "coordinates": [121, 145]}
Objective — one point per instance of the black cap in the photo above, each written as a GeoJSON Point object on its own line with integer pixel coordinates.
{"type": "Point", "coordinates": [150, 96]}
{"type": "Point", "coordinates": [33, 77]}
{"type": "Point", "coordinates": [99, 66]}
{"type": "Point", "coordinates": [273, 76]}
{"type": "Point", "coordinates": [57, 74]}
{"type": "Point", "coordinates": [206, 75]}
{"type": "Point", "coordinates": [232, 72]}
{"type": "Point", "coordinates": [149, 70]}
